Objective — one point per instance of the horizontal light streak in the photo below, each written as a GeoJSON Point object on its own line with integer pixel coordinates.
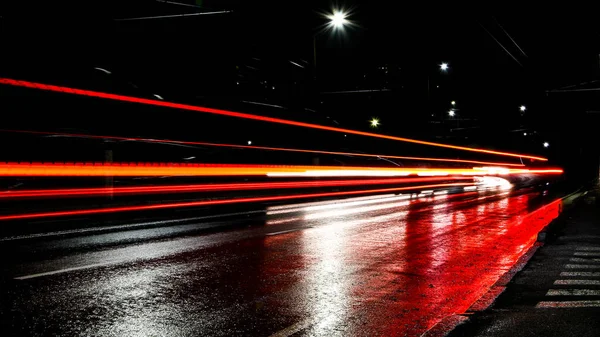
{"type": "Point", "coordinates": [145, 101]}
{"type": "Point", "coordinates": [254, 147]}
{"type": "Point", "coordinates": [100, 191]}
{"type": "Point", "coordinates": [99, 169]}
{"type": "Point", "coordinates": [213, 202]}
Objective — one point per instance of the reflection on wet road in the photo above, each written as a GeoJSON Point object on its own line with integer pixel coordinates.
{"type": "Point", "coordinates": [391, 265]}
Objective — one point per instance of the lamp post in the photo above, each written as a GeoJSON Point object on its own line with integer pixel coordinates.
{"type": "Point", "coordinates": [337, 21]}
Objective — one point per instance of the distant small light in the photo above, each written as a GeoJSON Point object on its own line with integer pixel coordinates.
{"type": "Point", "coordinates": [273, 87]}
{"type": "Point", "coordinates": [546, 144]}
{"type": "Point", "coordinates": [374, 122]}
{"type": "Point", "coordinates": [547, 184]}
{"type": "Point", "coordinates": [522, 108]}
{"type": "Point", "coordinates": [345, 135]}
{"type": "Point", "coordinates": [524, 133]}
{"type": "Point", "coordinates": [451, 113]}
{"type": "Point", "coordinates": [249, 142]}
{"type": "Point", "coordinates": [444, 66]}
{"type": "Point", "coordinates": [453, 102]}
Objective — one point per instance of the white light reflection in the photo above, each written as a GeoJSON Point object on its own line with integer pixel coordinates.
{"type": "Point", "coordinates": [493, 182]}
{"type": "Point", "coordinates": [343, 212]}
{"type": "Point", "coordinates": [304, 204]}
{"type": "Point", "coordinates": [335, 204]}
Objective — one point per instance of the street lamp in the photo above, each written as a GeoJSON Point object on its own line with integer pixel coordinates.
{"type": "Point", "coordinates": [522, 108]}
{"type": "Point", "coordinates": [337, 19]}
{"type": "Point", "coordinates": [453, 103]}
{"type": "Point", "coordinates": [546, 144]}
{"type": "Point", "coordinates": [444, 66]}
{"type": "Point", "coordinates": [451, 113]}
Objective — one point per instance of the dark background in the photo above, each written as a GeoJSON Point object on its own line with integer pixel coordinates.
{"type": "Point", "coordinates": [262, 53]}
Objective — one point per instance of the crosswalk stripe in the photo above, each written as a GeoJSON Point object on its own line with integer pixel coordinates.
{"type": "Point", "coordinates": [580, 274]}
{"type": "Point", "coordinates": [568, 304]}
{"type": "Point", "coordinates": [573, 292]}
{"type": "Point", "coordinates": [586, 254]}
{"type": "Point", "coordinates": [580, 259]}
{"type": "Point", "coordinates": [582, 266]}
{"type": "Point", "coordinates": [578, 282]}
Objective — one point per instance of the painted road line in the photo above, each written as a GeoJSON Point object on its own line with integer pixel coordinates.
{"type": "Point", "coordinates": [578, 282]}
{"type": "Point", "coordinates": [60, 271]}
{"type": "Point", "coordinates": [573, 292]}
{"type": "Point", "coordinates": [288, 231]}
{"type": "Point", "coordinates": [584, 260]}
{"type": "Point", "coordinates": [588, 249]}
{"type": "Point", "coordinates": [579, 274]}
{"type": "Point", "coordinates": [582, 266]}
{"type": "Point", "coordinates": [587, 254]}
{"type": "Point", "coordinates": [569, 304]}
{"type": "Point", "coordinates": [124, 227]}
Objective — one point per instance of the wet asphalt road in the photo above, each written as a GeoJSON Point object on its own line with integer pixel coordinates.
{"type": "Point", "coordinates": [390, 265]}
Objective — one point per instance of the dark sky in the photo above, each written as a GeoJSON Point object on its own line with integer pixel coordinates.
{"type": "Point", "coordinates": [500, 58]}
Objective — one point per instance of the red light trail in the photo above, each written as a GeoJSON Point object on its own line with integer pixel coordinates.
{"type": "Point", "coordinates": [215, 202]}
{"type": "Point", "coordinates": [253, 147]}
{"type": "Point", "coordinates": [187, 107]}
{"type": "Point", "coordinates": [100, 169]}
{"type": "Point", "coordinates": [99, 191]}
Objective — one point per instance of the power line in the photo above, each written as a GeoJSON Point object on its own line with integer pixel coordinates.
{"type": "Point", "coordinates": [510, 37]}
{"type": "Point", "coordinates": [500, 44]}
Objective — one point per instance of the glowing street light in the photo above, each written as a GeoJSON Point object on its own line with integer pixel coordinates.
{"type": "Point", "coordinates": [444, 66]}
{"type": "Point", "coordinates": [249, 142]}
{"type": "Point", "coordinates": [451, 113]}
{"type": "Point", "coordinates": [374, 122]}
{"type": "Point", "coordinates": [453, 103]}
{"type": "Point", "coordinates": [546, 144]}
{"type": "Point", "coordinates": [522, 108]}
{"type": "Point", "coordinates": [337, 19]}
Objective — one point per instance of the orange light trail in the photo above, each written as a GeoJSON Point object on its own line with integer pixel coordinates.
{"type": "Point", "coordinates": [188, 107]}
{"type": "Point", "coordinates": [100, 169]}
{"type": "Point", "coordinates": [215, 202]}
{"type": "Point", "coordinates": [99, 191]}
{"type": "Point", "coordinates": [253, 147]}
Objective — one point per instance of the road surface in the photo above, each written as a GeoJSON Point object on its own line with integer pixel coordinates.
{"type": "Point", "coordinates": [392, 265]}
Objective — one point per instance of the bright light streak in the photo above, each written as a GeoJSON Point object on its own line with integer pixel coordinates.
{"type": "Point", "coordinates": [220, 112]}
{"type": "Point", "coordinates": [168, 141]}
{"type": "Point", "coordinates": [100, 169]}
{"type": "Point", "coordinates": [210, 202]}
{"type": "Point", "coordinates": [488, 182]}
{"type": "Point", "coordinates": [100, 191]}
{"type": "Point", "coordinates": [312, 207]}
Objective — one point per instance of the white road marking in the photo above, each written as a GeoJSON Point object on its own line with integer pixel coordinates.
{"type": "Point", "coordinates": [292, 329]}
{"type": "Point", "coordinates": [582, 266]}
{"type": "Point", "coordinates": [586, 254]}
{"type": "Point", "coordinates": [589, 249]}
{"type": "Point", "coordinates": [121, 227]}
{"type": "Point", "coordinates": [60, 271]}
{"type": "Point", "coordinates": [568, 304]}
{"type": "Point", "coordinates": [288, 231]}
{"type": "Point", "coordinates": [580, 273]}
{"type": "Point", "coordinates": [578, 282]}
{"type": "Point", "coordinates": [580, 259]}
{"type": "Point", "coordinates": [573, 292]}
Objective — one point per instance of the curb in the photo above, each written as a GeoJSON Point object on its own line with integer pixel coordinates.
{"type": "Point", "coordinates": [449, 323]}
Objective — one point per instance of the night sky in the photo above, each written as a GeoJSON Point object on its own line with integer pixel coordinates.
{"type": "Point", "coordinates": [262, 52]}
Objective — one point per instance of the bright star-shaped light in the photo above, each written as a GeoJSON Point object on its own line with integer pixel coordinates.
{"type": "Point", "coordinates": [444, 66]}
{"type": "Point", "coordinates": [546, 144]}
{"type": "Point", "coordinates": [451, 113]}
{"type": "Point", "coordinates": [374, 122]}
{"type": "Point", "coordinates": [522, 108]}
{"type": "Point", "coordinates": [338, 19]}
